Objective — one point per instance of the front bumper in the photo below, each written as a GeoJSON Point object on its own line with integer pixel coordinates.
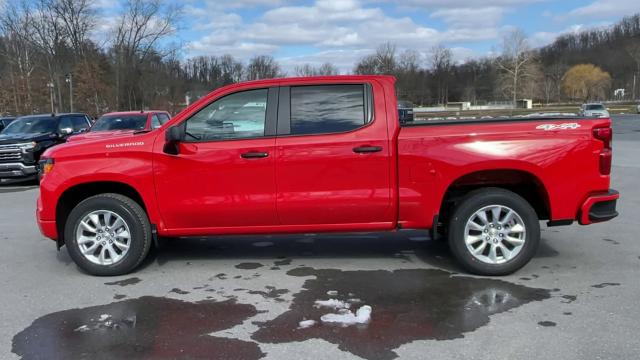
{"type": "Point", "coordinates": [17, 171]}
{"type": "Point", "coordinates": [48, 228]}
{"type": "Point", "coordinates": [599, 207]}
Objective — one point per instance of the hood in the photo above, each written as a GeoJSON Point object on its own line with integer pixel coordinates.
{"type": "Point", "coordinates": [99, 142]}
{"type": "Point", "coordinates": [100, 135]}
{"type": "Point", "coordinates": [8, 139]}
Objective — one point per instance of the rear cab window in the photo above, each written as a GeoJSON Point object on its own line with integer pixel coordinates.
{"type": "Point", "coordinates": [325, 109]}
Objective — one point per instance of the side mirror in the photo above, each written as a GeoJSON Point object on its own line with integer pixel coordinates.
{"type": "Point", "coordinates": [66, 131]}
{"type": "Point", "coordinates": [172, 137]}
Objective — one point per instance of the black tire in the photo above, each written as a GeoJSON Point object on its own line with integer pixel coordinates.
{"type": "Point", "coordinates": [137, 221]}
{"type": "Point", "coordinates": [475, 201]}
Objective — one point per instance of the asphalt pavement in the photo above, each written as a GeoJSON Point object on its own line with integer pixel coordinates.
{"type": "Point", "coordinates": [252, 297]}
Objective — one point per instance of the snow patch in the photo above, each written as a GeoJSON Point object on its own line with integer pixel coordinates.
{"type": "Point", "coordinates": [106, 321]}
{"type": "Point", "coordinates": [332, 303]}
{"type": "Point", "coordinates": [348, 318]}
{"type": "Point", "coordinates": [82, 328]}
{"type": "Point", "coordinates": [306, 324]}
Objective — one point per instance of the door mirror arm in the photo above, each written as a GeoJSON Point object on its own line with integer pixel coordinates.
{"type": "Point", "coordinates": [173, 137]}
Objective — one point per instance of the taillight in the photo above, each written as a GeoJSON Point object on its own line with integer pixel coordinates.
{"type": "Point", "coordinates": [605, 135]}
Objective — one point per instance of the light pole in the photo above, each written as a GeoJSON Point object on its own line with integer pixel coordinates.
{"type": "Point", "coordinates": [50, 86]}
{"type": "Point", "coordinates": [69, 79]}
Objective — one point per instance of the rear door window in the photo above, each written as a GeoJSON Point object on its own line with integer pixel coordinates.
{"type": "Point", "coordinates": [163, 118]}
{"type": "Point", "coordinates": [325, 109]}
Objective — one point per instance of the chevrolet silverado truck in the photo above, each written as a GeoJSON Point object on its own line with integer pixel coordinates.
{"type": "Point", "coordinates": [325, 154]}
{"type": "Point", "coordinates": [24, 140]}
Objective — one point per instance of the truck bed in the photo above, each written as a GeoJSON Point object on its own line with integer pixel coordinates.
{"type": "Point", "coordinates": [558, 154]}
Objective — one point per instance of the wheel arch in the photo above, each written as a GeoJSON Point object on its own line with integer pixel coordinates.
{"type": "Point", "coordinates": [524, 183]}
{"type": "Point", "coordinates": [73, 195]}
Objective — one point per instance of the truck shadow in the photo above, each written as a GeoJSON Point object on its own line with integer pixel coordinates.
{"type": "Point", "coordinates": [406, 247]}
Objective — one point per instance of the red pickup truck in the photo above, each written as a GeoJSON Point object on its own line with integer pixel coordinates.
{"type": "Point", "coordinates": [325, 154]}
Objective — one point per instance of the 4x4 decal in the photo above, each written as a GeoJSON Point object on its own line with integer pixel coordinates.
{"type": "Point", "coordinates": [565, 126]}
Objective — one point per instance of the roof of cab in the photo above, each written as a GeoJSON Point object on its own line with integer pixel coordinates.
{"type": "Point", "coordinates": [52, 115]}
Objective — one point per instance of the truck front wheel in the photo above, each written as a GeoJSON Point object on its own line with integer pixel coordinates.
{"type": "Point", "coordinates": [494, 232]}
{"type": "Point", "coordinates": [108, 235]}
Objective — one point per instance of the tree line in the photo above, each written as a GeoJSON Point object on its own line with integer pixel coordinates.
{"type": "Point", "coordinates": [49, 61]}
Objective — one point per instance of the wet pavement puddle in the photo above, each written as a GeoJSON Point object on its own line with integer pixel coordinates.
{"type": "Point", "coordinates": [143, 328]}
{"type": "Point", "coordinates": [407, 305]}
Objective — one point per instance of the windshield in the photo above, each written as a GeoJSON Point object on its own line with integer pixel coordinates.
{"type": "Point", "coordinates": [595, 107]}
{"type": "Point", "coordinates": [405, 104]}
{"type": "Point", "coordinates": [120, 122]}
{"type": "Point", "coordinates": [31, 125]}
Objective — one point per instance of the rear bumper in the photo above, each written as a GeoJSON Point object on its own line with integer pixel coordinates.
{"type": "Point", "coordinates": [599, 207]}
{"type": "Point", "coordinates": [17, 171]}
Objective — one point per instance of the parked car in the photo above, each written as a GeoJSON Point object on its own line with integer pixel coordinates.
{"type": "Point", "coordinates": [27, 137]}
{"type": "Point", "coordinates": [405, 111]}
{"type": "Point", "coordinates": [122, 122]}
{"type": "Point", "coordinates": [637, 109]}
{"type": "Point", "coordinates": [594, 110]}
{"type": "Point", "coordinates": [4, 121]}
{"type": "Point", "coordinates": [326, 154]}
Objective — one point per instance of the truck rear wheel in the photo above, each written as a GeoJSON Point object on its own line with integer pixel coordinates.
{"type": "Point", "coordinates": [108, 235]}
{"type": "Point", "coordinates": [494, 232]}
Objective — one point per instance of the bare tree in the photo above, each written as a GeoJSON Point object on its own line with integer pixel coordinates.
{"type": "Point", "coordinates": [310, 70]}
{"type": "Point", "coordinates": [262, 67]}
{"type": "Point", "coordinates": [384, 61]}
{"type": "Point", "coordinates": [78, 18]}
{"type": "Point", "coordinates": [441, 64]}
{"type": "Point", "coordinates": [633, 49]}
{"type": "Point", "coordinates": [366, 66]}
{"type": "Point", "coordinates": [514, 62]}
{"type": "Point", "coordinates": [143, 24]}
{"type": "Point", "coordinates": [17, 56]}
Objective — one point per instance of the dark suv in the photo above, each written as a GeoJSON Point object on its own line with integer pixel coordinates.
{"type": "Point", "coordinates": [5, 121]}
{"type": "Point", "coordinates": [27, 137]}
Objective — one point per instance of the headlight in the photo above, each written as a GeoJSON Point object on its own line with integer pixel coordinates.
{"type": "Point", "coordinates": [46, 165]}
{"type": "Point", "coordinates": [28, 146]}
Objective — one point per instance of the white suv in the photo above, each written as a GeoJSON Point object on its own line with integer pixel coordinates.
{"type": "Point", "coordinates": [594, 110]}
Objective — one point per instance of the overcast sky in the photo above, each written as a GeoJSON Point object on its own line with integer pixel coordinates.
{"type": "Point", "coordinates": [342, 31]}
